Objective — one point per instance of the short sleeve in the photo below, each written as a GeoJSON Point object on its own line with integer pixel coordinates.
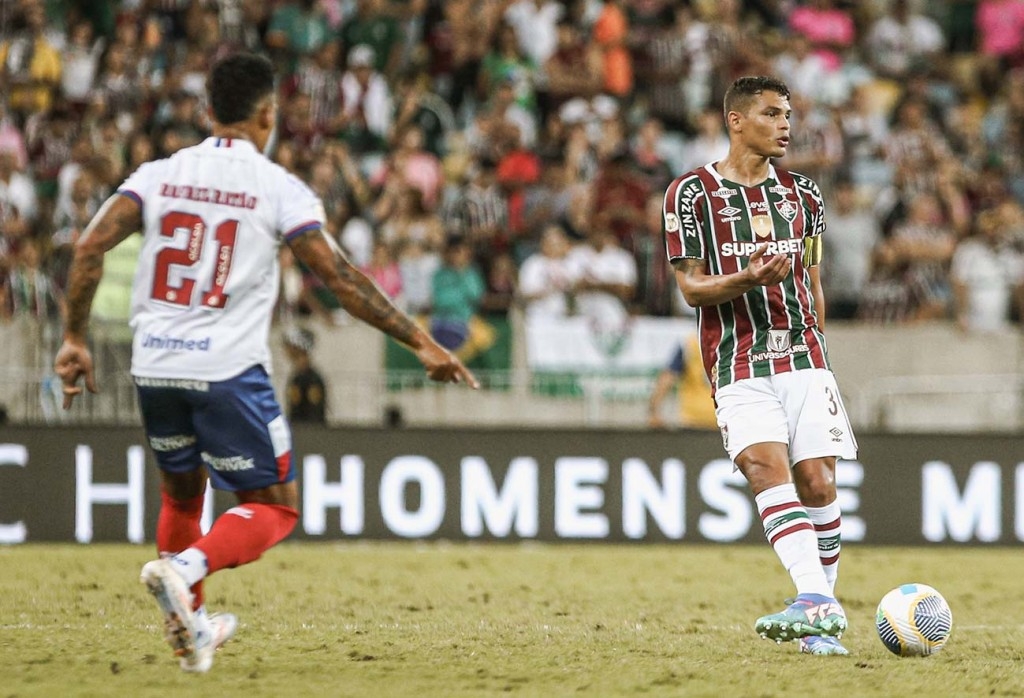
{"type": "Point", "coordinates": [139, 183]}
{"type": "Point", "coordinates": [300, 210]}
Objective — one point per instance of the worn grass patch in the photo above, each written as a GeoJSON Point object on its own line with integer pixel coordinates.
{"type": "Point", "coordinates": [328, 619]}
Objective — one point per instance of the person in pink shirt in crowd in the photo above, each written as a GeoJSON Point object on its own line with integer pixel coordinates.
{"type": "Point", "coordinates": [1000, 25]}
{"type": "Point", "coordinates": [383, 269]}
{"type": "Point", "coordinates": [829, 29]}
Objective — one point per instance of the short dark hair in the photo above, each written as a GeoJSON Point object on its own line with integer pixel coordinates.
{"type": "Point", "coordinates": [743, 90]}
{"type": "Point", "coordinates": [237, 84]}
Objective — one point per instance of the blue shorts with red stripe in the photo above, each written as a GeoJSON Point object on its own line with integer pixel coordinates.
{"type": "Point", "coordinates": [234, 428]}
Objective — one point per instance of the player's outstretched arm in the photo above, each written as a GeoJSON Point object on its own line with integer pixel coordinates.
{"type": "Point", "coordinates": [118, 218]}
{"type": "Point", "coordinates": [702, 289]}
{"type": "Point", "coordinates": [361, 297]}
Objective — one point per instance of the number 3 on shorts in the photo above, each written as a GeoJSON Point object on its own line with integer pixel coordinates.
{"type": "Point", "coordinates": [833, 408]}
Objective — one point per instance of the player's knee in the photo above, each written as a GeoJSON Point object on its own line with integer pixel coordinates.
{"type": "Point", "coordinates": [763, 474]}
{"type": "Point", "coordinates": [816, 486]}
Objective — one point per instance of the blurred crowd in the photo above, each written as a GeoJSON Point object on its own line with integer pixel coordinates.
{"type": "Point", "coordinates": [475, 155]}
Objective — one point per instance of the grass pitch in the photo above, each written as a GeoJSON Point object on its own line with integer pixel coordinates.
{"type": "Point", "coordinates": [476, 620]}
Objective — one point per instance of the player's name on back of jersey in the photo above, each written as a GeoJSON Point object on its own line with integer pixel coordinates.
{"type": "Point", "coordinates": [238, 199]}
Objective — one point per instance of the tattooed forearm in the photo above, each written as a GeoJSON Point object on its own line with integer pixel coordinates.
{"type": "Point", "coordinates": [353, 289]}
{"type": "Point", "coordinates": [689, 266]}
{"type": "Point", "coordinates": [362, 298]}
{"type": "Point", "coordinates": [85, 275]}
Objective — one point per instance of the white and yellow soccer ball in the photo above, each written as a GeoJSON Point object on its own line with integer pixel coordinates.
{"type": "Point", "coordinates": [913, 620]}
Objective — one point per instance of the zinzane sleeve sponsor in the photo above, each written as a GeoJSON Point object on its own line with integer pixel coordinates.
{"type": "Point", "coordinates": [300, 209]}
{"type": "Point", "coordinates": [682, 230]}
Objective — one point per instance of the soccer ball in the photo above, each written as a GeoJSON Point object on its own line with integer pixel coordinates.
{"type": "Point", "coordinates": [913, 620]}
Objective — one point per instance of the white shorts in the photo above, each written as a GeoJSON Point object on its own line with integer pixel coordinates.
{"type": "Point", "coordinates": [801, 409]}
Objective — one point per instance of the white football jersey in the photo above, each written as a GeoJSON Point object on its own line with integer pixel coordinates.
{"type": "Point", "coordinates": [214, 216]}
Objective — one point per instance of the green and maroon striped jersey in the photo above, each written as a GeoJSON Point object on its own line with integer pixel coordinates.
{"type": "Point", "coordinates": [767, 330]}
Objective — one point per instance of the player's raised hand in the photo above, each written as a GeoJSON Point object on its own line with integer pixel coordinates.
{"type": "Point", "coordinates": [443, 366]}
{"type": "Point", "coordinates": [71, 363]}
{"type": "Point", "coordinates": [768, 271]}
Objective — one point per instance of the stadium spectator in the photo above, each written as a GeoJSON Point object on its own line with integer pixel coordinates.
{"type": "Point", "coordinates": [620, 196]}
{"type": "Point", "coordinates": [677, 69]}
{"type": "Point", "coordinates": [611, 32]}
{"type": "Point", "coordinates": [830, 30]}
{"type": "Point", "coordinates": [536, 26]}
{"type": "Point", "coordinates": [120, 88]}
{"type": "Point", "coordinates": [305, 392]}
{"type": "Point", "coordinates": [318, 76]}
{"type": "Point", "coordinates": [864, 131]}
{"type": "Point", "coordinates": [410, 219]}
{"type": "Point", "coordinates": [374, 27]}
{"type": "Point", "coordinates": [847, 256]}
{"type": "Point", "coordinates": [297, 28]}
{"type": "Point", "coordinates": [80, 60]}
{"type": "Point", "coordinates": [901, 40]}
{"type": "Point", "coordinates": [68, 223]}
{"type": "Point", "coordinates": [502, 286]}
{"type": "Point", "coordinates": [31, 64]}
{"type": "Point", "coordinates": [18, 201]}
{"type": "Point", "coordinates": [987, 272]}
{"type": "Point", "coordinates": [383, 271]}
{"type": "Point", "coordinates": [193, 402]}
{"type": "Point", "coordinates": [547, 278]}
{"type": "Point", "coordinates": [367, 105]}
{"type": "Point", "coordinates": [606, 279]}
{"type": "Point", "coordinates": [31, 291]}
{"type": "Point", "coordinates": [457, 289]}
{"type": "Point", "coordinates": [656, 289]}
{"type": "Point", "coordinates": [910, 279]}
{"type": "Point", "coordinates": [417, 266]}
{"type": "Point", "coordinates": [683, 374]}
{"type": "Point", "coordinates": [915, 146]}
{"type": "Point", "coordinates": [709, 144]}
{"type": "Point", "coordinates": [506, 66]}
{"type": "Point", "coordinates": [482, 212]}
{"type": "Point", "coordinates": [418, 105]}
{"type": "Point", "coordinates": [572, 70]}
{"type": "Point", "coordinates": [417, 167]}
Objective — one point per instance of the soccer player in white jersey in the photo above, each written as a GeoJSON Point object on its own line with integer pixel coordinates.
{"type": "Point", "coordinates": [745, 239]}
{"type": "Point", "coordinates": [213, 217]}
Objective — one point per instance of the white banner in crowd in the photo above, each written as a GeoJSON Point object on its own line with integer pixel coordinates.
{"type": "Point", "coordinates": [579, 344]}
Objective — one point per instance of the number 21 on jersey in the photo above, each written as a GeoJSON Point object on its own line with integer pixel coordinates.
{"type": "Point", "coordinates": [188, 256]}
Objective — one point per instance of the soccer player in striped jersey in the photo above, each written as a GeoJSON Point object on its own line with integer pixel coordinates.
{"type": "Point", "coordinates": [745, 238]}
{"type": "Point", "coordinates": [213, 218]}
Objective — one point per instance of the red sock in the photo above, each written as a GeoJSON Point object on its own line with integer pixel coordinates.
{"type": "Point", "coordinates": [177, 528]}
{"type": "Point", "coordinates": [244, 532]}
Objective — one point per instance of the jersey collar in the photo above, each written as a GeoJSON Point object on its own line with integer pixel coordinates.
{"type": "Point", "coordinates": [771, 179]}
{"type": "Point", "coordinates": [232, 143]}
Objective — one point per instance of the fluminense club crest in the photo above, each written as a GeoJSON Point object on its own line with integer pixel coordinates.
{"type": "Point", "coordinates": [787, 209]}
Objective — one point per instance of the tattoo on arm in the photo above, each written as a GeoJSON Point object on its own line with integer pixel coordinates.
{"type": "Point", "coordinates": [356, 292]}
{"type": "Point", "coordinates": [689, 266]}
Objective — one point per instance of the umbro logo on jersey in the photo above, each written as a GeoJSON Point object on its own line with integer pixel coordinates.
{"type": "Point", "coordinates": [728, 214]}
